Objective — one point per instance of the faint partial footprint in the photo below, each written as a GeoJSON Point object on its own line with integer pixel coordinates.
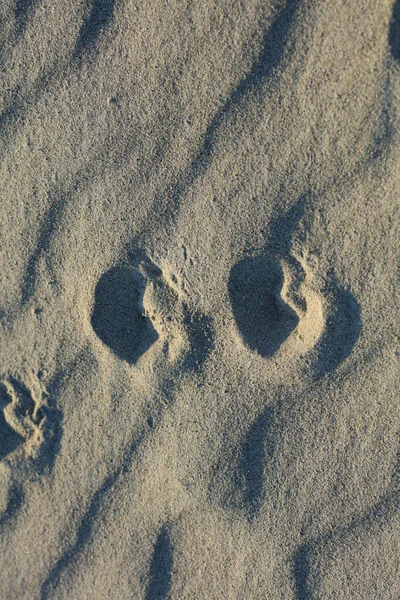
{"type": "Point", "coordinates": [10, 439]}
{"type": "Point", "coordinates": [118, 316]}
{"type": "Point", "coordinates": [21, 418]}
{"type": "Point", "coordinates": [160, 569]}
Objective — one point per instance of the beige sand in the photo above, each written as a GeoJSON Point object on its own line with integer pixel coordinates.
{"type": "Point", "coordinates": [199, 300]}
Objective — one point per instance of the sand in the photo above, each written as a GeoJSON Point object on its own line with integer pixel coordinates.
{"type": "Point", "coordinates": [199, 300]}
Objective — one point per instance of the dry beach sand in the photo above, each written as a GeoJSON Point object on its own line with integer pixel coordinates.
{"type": "Point", "coordinates": [199, 299]}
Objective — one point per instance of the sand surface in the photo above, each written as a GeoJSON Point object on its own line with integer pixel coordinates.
{"type": "Point", "coordinates": [199, 243]}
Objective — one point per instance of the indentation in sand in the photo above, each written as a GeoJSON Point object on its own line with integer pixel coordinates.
{"type": "Point", "coordinates": [21, 419]}
{"type": "Point", "coordinates": [138, 304]}
{"type": "Point", "coordinates": [342, 328]}
{"type": "Point", "coordinates": [274, 304]}
{"type": "Point", "coordinates": [119, 317]}
{"type": "Point", "coordinates": [10, 438]}
{"type": "Point", "coordinates": [255, 456]}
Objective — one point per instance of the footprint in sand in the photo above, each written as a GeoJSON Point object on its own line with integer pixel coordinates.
{"type": "Point", "coordinates": [280, 310]}
{"type": "Point", "coordinates": [274, 305]}
{"type": "Point", "coordinates": [137, 305]}
{"type": "Point", "coordinates": [119, 317]}
{"type": "Point", "coordinates": [29, 431]}
{"type": "Point", "coordinates": [10, 438]}
{"type": "Point", "coordinates": [21, 418]}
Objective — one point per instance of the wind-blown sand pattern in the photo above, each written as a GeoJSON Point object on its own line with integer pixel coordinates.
{"type": "Point", "coordinates": [199, 242]}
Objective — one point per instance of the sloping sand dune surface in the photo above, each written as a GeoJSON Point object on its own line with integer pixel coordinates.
{"type": "Point", "coordinates": [200, 341]}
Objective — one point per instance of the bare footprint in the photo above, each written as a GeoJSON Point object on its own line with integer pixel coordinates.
{"type": "Point", "coordinates": [137, 305]}
{"type": "Point", "coordinates": [119, 318]}
{"type": "Point", "coordinates": [274, 304]}
{"type": "Point", "coordinates": [282, 312]}
{"type": "Point", "coordinates": [263, 319]}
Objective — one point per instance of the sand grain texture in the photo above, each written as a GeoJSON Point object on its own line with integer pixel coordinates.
{"type": "Point", "coordinates": [199, 243]}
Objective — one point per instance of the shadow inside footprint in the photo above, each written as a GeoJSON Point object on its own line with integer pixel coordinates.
{"type": "Point", "coordinates": [160, 569]}
{"type": "Point", "coordinates": [118, 317]}
{"type": "Point", "coordinates": [264, 320]}
{"type": "Point", "coordinates": [394, 31]}
{"type": "Point", "coordinates": [9, 438]}
{"type": "Point", "coordinates": [342, 330]}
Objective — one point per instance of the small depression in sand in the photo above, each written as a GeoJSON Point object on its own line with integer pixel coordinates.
{"type": "Point", "coordinates": [118, 316]}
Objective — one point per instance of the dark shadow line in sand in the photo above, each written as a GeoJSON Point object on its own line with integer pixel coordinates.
{"type": "Point", "coordinates": [14, 114]}
{"type": "Point", "coordinates": [82, 537]}
{"type": "Point", "coordinates": [385, 131]}
{"type": "Point", "coordinates": [98, 18]}
{"type": "Point", "coordinates": [394, 31]}
{"type": "Point", "coordinates": [272, 51]}
{"type": "Point", "coordinates": [386, 508]}
{"type": "Point", "coordinates": [23, 11]}
{"type": "Point", "coordinates": [301, 572]}
{"type": "Point", "coordinates": [283, 227]}
{"type": "Point", "coordinates": [15, 502]}
{"type": "Point", "coordinates": [160, 568]}
{"type": "Point", "coordinates": [258, 448]}
{"type": "Point", "coordinates": [84, 532]}
{"type": "Point", "coordinates": [11, 115]}
{"type": "Point", "coordinates": [49, 224]}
